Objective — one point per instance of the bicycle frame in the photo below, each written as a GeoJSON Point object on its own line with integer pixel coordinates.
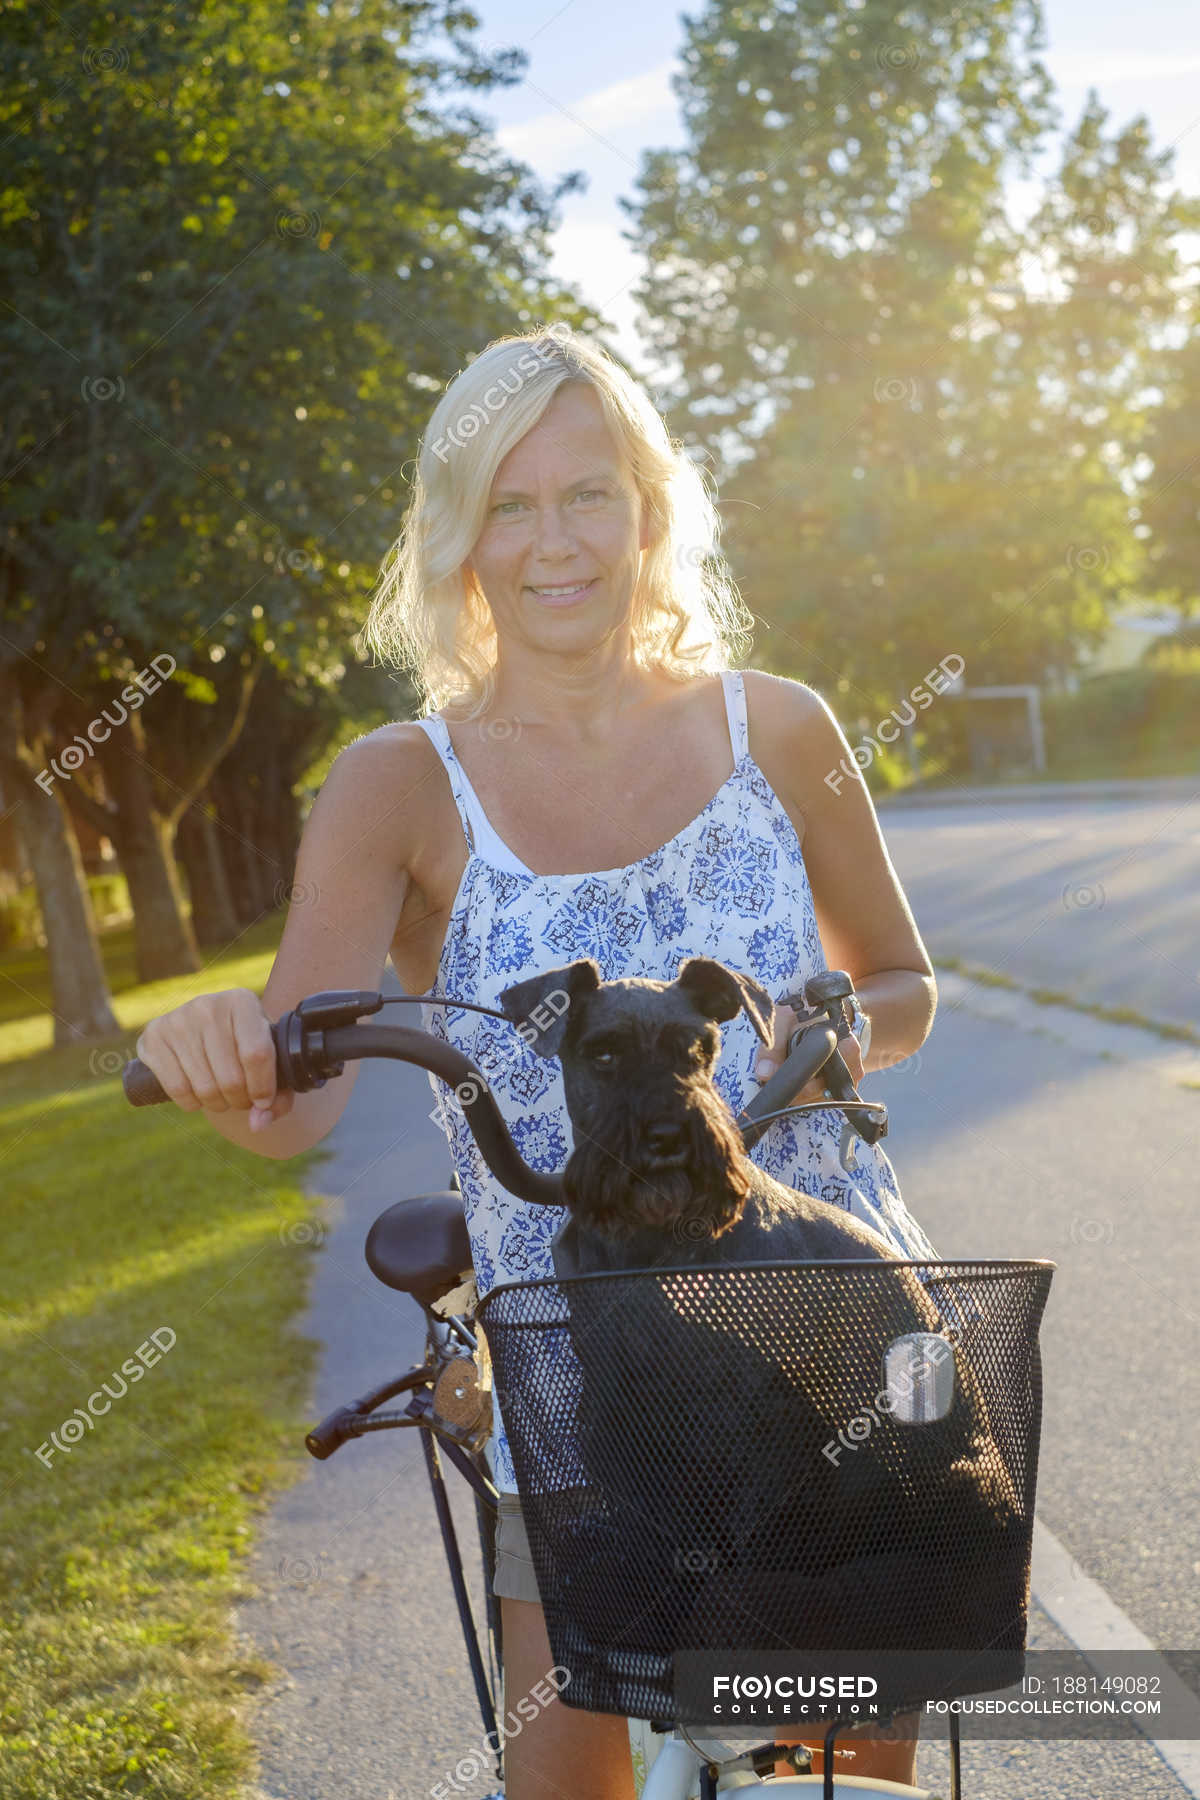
{"type": "Point", "coordinates": [447, 1339]}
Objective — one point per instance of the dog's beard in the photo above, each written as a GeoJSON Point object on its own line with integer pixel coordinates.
{"type": "Point", "coordinates": [616, 1187]}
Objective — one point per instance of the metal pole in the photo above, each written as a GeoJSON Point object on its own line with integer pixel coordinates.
{"type": "Point", "coordinates": [1035, 730]}
{"type": "Point", "coordinates": [914, 760]}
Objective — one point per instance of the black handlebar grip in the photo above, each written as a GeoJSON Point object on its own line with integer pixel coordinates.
{"type": "Point", "coordinates": [331, 1433]}
{"type": "Point", "coordinates": [141, 1084]}
{"type": "Point", "coordinates": [809, 1051]}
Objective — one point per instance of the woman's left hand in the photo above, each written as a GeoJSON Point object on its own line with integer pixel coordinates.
{"type": "Point", "coordinates": [769, 1061]}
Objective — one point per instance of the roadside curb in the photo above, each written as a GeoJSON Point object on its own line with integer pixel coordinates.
{"type": "Point", "coordinates": [1178, 1062]}
{"type": "Point", "coordinates": [1165, 787]}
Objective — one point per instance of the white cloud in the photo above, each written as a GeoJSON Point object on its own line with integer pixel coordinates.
{"type": "Point", "coordinates": [644, 106]}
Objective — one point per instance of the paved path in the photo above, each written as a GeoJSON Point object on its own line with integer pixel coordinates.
{"type": "Point", "coordinates": [1098, 897]}
{"type": "Point", "coordinates": [1008, 1141]}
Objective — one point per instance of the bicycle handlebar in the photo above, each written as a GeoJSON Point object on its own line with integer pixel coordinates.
{"type": "Point", "coordinates": [315, 1040]}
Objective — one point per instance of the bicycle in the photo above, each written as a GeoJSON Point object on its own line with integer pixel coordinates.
{"type": "Point", "coordinates": [421, 1247]}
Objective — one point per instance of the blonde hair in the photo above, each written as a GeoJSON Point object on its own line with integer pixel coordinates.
{"type": "Point", "coordinates": [430, 616]}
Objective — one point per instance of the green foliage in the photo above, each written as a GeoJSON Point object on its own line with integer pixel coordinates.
{"type": "Point", "coordinates": [21, 919]}
{"type": "Point", "coordinates": [927, 421]}
{"type": "Point", "coordinates": [246, 245]}
{"type": "Point", "coordinates": [842, 166]}
{"type": "Point", "coordinates": [1134, 722]}
{"type": "Point", "coordinates": [1173, 658]}
{"type": "Point", "coordinates": [245, 249]}
{"type": "Point", "coordinates": [1170, 507]}
{"type": "Point", "coordinates": [109, 896]}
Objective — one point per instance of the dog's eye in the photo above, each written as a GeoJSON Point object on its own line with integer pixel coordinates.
{"type": "Point", "coordinates": [603, 1056]}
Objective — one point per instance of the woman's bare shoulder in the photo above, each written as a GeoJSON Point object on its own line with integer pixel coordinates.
{"type": "Point", "coordinates": [780, 704]}
{"type": "Point", "coordinates": [386, 780]}
{"type": "Point", "coordinates": [794, 737]}
{"type": "Point", "coordinates": [399, 747]}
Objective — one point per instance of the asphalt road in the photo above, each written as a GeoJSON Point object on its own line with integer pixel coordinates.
{"type": "Point", "coordinates": [1007, 1142]}
{"type": "Point", "coordinates": [1098, 897]}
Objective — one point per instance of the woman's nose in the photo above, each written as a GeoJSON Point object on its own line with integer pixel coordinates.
{"type": "Point", "coordinates": [550, 530]}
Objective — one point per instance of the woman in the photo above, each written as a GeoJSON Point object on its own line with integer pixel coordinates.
{"type": "Point", "coordinates": [596, 781]}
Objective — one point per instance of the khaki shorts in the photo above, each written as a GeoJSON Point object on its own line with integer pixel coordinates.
{"type": "Point", "coordinates": [514, 1577]}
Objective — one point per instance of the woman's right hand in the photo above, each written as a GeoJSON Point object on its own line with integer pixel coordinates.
{"type": "Point", "coordinates": [215, 1053]}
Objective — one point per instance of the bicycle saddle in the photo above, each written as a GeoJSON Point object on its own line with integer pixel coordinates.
{"type": "Point", "coordinates": [421, 1246]}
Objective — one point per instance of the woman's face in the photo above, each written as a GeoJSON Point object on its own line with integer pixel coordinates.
{"type": "Point", "coordinates": [563, 514]}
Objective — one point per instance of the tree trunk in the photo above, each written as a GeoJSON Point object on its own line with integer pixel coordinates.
{"type": "Point", "coordinates": [198, 842]}
{"type": "Point", "coordinates": [274, 815]}
{"type": "Point", "coordinates": [258, 812]}
{"type": "Point", "coordinates": [252, 877]}
{"type": "Point", "coordinates": [79, 995]}
{"type": "Point", "coordinates": [163, 940]}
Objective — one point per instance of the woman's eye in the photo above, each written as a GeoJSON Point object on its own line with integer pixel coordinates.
{"type": "Point", "coordinates": [504, 506]}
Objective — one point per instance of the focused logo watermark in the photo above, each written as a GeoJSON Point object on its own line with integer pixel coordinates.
{"type": "Point", "coordinates": [471, 423]}
{"type": "Point", "coordinates": [73, 1430]}
{"type": "Point", "coordinates": [847, 1695]}
{"type": "Point", "coordinates": [528, 1029]}
{"type": "Point", "coordinates": [471, 1767]}
{"type": "Point", "coordinates": [71, 758]}
{"type": "Point", "coordinates": [939, 680]}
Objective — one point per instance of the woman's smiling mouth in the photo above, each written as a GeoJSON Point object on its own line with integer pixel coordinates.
{"type": "Point", "coordinates": [562, 593]}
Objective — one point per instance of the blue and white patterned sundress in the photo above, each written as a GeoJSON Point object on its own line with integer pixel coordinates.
{"type": "Point", "coordinates": [731, 885]}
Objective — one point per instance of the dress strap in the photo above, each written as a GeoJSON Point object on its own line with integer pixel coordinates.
{"type": "Point", "coordinates": [435, 730]}
{"type": "Point", "coordinates": [735, 712]}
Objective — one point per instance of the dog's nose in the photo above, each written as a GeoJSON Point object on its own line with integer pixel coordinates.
{"type": "Point", "coordinates": [664, 1140]}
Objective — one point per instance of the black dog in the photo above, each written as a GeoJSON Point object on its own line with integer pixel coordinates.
{"type": "Point", "coordinates": [710, 1430]}
{"type": "Point", "coordinates": [659, 1172]}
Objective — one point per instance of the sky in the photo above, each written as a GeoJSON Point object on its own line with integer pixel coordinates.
{"type": "Point", "coordinates": [597, 93]}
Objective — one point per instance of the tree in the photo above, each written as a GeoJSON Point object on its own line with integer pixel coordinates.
{"type": "Point", "coordinates": [243, 249]}
{"type": "Point", "coordinates": [915, 461]}
{"type": "Point", "coordinates": [239, 843]}
{"type": "Point", "coordinates": [79, 996]}
{"type": "Point", "coordinates": [843, 166]}
{"type": "Point", "coordinates": [152, 763]}
{"type": "Point", "coordinates": [1067, 386]}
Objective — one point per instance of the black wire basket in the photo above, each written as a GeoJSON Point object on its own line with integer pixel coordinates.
{"type": "Point", "coordinates": [753, 1458]}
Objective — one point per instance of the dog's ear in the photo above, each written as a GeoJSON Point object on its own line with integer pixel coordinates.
{"type": "Point", "coordinates": [720, 993]}
{"type": "Point", "coordinates": [539, 1007]}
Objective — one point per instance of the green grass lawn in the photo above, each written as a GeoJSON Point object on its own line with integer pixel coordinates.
{"type": "Point", "coordinates": [119, 1561]}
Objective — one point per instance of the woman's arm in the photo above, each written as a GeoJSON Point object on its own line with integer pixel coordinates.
{"type": "Point", "coordinates": [214, 1053]}
{"type": "Point", "coordinates": [863, 915]}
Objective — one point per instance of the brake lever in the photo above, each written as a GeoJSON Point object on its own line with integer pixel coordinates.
{"type": "Point", "coordinates": [839, 1084]}
{"type": "Point", "coordinates": [865, 1122]}
{"type": "Point", "coordinates": [303, 1062]}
